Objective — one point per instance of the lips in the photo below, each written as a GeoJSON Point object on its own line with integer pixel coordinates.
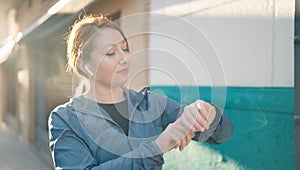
{"type": "Point", "coordinates": [125, 70]}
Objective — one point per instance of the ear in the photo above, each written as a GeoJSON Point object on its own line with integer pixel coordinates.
{"type": "Point", "coordinates": [84, 68]}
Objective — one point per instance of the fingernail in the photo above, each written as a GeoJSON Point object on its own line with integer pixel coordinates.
{"type": "Point", "coordinates": [199, 106]}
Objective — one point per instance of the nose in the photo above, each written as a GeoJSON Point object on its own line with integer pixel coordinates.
{"type": "Point", "coordinates": [123, 57]}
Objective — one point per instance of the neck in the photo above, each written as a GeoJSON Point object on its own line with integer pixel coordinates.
{"type": "Point", "coordinates": [106, 94]}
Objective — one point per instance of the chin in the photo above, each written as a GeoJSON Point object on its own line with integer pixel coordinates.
{"type": "Point", "coordinates": [119, 83]}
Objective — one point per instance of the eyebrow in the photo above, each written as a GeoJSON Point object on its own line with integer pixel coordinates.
{"type": "Point", "coordinates": [124, 41]}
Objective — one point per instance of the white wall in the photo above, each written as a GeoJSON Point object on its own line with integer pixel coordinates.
{"type": "Point", "coordinates": [222, 42]}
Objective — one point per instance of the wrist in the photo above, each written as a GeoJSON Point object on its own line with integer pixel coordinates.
{"type": "Point", "coordinates": [212, 115]}
{"type": "Point", "coordinates": [160, 145]}
{"type": "Point", "coordinates": [217, 116]}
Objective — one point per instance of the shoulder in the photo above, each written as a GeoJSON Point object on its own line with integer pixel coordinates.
{"type": "Point", "coordinates": [62, 114]}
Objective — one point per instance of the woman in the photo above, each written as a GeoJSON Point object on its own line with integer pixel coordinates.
{"type": "Point", "coordinates": [109, 126]}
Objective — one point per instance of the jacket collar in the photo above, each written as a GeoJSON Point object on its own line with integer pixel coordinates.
{"type": "Point", "coordinates": [86, 106]}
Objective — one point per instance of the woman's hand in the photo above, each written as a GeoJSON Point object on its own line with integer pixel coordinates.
{"type": "Point", "coordinates": [198, 116]}
{"type": "Point", "coordinates": [172, 136]}
{"type": "Point", "coordinates": [177, 134]}
{"type": "Point", "coordinates": [207, 109]}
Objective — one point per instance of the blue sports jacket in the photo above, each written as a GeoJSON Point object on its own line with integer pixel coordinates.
{"type": "Point", "coordinates": [82, 135]}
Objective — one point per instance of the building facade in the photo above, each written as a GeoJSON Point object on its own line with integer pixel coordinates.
{"type": "Point", "coordinates": [33, 78]}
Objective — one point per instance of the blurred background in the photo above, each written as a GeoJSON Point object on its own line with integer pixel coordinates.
{"type": "Point", "coordinates": [236, 53]}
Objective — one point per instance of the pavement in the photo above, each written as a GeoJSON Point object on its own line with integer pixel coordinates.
{"type": "Point", "coordinates": [15, 155]}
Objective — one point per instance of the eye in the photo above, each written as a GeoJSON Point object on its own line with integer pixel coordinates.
{"type": "Point", "coordinates": [126, 50]}
{"type": "Point", "coordinates": [110, 54]}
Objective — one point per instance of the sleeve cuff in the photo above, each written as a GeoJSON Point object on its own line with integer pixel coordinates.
{"type": "Point", "coordinates": [151, 155]}
{"type": "Point", "coordinates": [218, 119]}
{"type": "Point", "coordinates": [150, 149]}
{"type": "Point", "coordinates": [203, 136]}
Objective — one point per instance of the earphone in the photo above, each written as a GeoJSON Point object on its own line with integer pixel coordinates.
{"type": "Point", "coordinates": [88, 70]}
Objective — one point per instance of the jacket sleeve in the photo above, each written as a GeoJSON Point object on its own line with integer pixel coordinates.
{"type": "Point", "coordinates": [69, 151]}
{"type": "Point", "coordinates": [219, 131]}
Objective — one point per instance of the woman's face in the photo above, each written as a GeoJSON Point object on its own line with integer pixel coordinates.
{"type": "Point", "coordinates": [109, 58]}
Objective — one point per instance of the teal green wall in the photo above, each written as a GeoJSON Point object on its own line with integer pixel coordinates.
{"type": "Point", "coordinates": [263, 135]}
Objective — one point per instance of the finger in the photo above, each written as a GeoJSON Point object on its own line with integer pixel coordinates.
{"type": "Point", "coordinates": [190, 122]}
{"type": "Point", "coordinates": [177, 146]}
{"type": "Point", "coordinates": [187, 140]}
{"type": "Point", "coordinates": [202, 110]}
{"type": "Point", "coordinates": [183, 144]}
{"type": "Point", "coordinates": [189, 118]}
{"type": "Point", "coordinates": [192, 135]}
{"type": "Point", "coordinates": [200, 118]}
{"type": "Point", "coordinates": [195, 125]}
{"type": "Point", "coordinates": [195, 122]}
{"type": "Point", "coordinates": [210, 111]}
